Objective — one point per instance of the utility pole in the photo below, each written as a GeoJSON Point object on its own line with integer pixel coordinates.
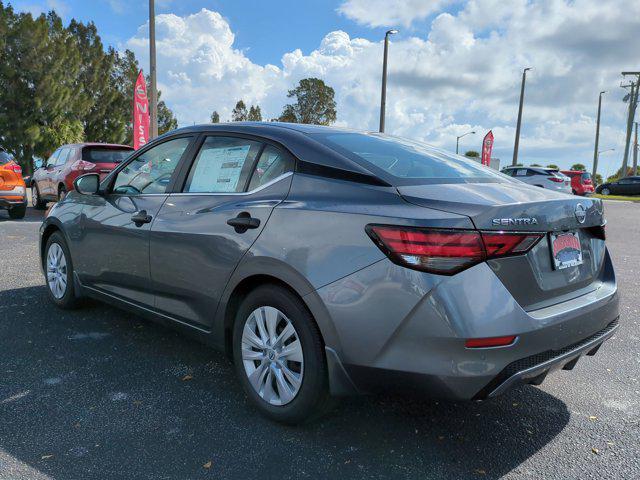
{"type": "Point", "coordinates": [383, 99]}
{"type": "Point", "coordinates": [633, 103]}
{"type": "Point", "coordinates": [153, 97]}
{"type": "Point", "coordinates": [595, 150]}
{"type": "Point", "coordinates": [635, 152]}
{"type": "Point", "coordinates": [517, 142]}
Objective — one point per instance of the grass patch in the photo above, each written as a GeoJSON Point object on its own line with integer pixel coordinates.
{"type": "Point", "coordinates": [617, 197]}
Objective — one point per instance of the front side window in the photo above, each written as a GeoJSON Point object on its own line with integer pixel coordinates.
{"type": "Point", "coordinates": [223, 165]}
{"type": "Point", "coordinates": [151, 172]}
{"type": "Point", "coordinates": [273, 162]}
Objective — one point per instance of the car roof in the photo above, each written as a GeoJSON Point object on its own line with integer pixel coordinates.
{"type": "Point", "coordinates": [97, 144]}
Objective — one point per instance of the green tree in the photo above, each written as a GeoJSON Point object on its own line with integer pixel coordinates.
{"type": "Point", "coordinates": [598, 179]}
{"type": "Point", "coordinates": [536, 165]}
{"type": "Point", "coordinates": [215, 117]}
{"type": "Point", "coordinates": [314, 104]}
{"type": "Point", "coordinates": [166, 120]}
{"type": "Point", "coordinates": [552, 165]}
{"type": "Point", "coordinates": [578, 166]}
{"type": "Point", "coordinates": [472, 154]}
{"type": "Point", "coordinates": [255, 115]}
{"type": "Point", "coordinates": [239, 113]}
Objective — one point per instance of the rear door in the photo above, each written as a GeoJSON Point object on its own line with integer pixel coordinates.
{"type": "Point", "coordinates": [112, 254]}
{"type": "Point", "coordinates": [203, 230]}
{"type": "Point", "coordinates": [43, 176]}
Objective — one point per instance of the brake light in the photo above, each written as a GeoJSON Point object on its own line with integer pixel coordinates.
{"type": "Point", "coordinates": [83, 165]}
{"type": "Point", "coordinates": [447, 252]}
{"type": "Point", "coordinates": [490, 342]}
{"type": "Point", "coordinates": [14, 167]}
{"type": "Point", "coordinates": [555, 179]}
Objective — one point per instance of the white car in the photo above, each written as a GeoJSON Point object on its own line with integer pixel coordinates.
{"type": "Point", "coordinates": [549, 178]}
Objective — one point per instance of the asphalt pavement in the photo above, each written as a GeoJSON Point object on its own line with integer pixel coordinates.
{"type": "Point", "coordinates": [102, 394]}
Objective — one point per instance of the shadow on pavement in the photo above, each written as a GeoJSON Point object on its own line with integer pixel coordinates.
{"type": "Point", "coordinates": [32, 215]}
{"type": "Point", "coordinates": [98, 393]}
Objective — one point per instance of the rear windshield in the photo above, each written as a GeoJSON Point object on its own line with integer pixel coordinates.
{"type": "Point", "coordinates": [408, 161]}
{"type": "Point", "coordinates": [586, 176]}
{"type": "Point", "coordinates": [5, 158]}
{"type": "Point", "coordinates": [105, 154]}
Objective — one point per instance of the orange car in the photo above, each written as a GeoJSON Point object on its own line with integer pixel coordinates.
{"type": "Point", "coordinates": [13, 192]}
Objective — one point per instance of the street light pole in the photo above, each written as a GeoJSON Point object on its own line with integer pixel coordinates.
{"type": "Point", "coordinates": [635, 152]}
{"type": "Point", "coordinates": [383, 99]}
{"type": "Point", "coordinates": [517, 142]}
{"type": "Point", "coordinates": [464, 135]}
{"type": "Point", "coordinates": [153, 97]}
{"type": "Point", "coordinates": [595, 150]}
{"type": "Point", "coordinates": [633, 103]}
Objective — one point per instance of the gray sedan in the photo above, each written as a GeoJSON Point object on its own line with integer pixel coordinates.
{"type": "Point", "coordinates": [330, 262]}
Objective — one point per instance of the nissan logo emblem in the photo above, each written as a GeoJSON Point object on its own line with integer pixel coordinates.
{"type": "Point", "coordinates": [581, 213]}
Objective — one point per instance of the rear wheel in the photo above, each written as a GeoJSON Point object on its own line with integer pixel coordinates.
{"type": "Point", "coordinates": [279, 356]}
{"type": "Point", "coordinates": [17, 213]}
{"type": "Point", "coordinates": [605, 191]}
{"type": "Point", "coordinates": [59, 272]}
{"type": "Point", "coordinates": [36, 200]}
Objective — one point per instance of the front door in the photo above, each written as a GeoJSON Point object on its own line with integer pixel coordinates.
{"type": "Point", "coordinates": [202, 232]}
{"type": "Point", "coordinates": [113, 254]}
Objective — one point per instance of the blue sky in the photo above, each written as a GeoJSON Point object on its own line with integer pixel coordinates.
{"type": "Point", "coordinates": [455, 66]}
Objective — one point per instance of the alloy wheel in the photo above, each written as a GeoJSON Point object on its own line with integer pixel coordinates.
{"type": "Point", "coordinates": [56, 271]}
{"type": "Point", "coordinates": [272, 355]}
{"type": "Point", "coordinates": [605, 191]}
{"type": "Point", "coordinates": [34, 196]}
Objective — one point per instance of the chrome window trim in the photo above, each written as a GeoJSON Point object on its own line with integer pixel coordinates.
{"type": "Point", "coordinates": [249, 192]}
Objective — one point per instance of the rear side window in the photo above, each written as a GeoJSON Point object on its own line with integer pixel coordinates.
{"type": "Point", "coordinates": [5, 158]}
{"type": "Point", "coordinates": [273, 162]}
{"type": "Point", "coordinates": [406, 160]}
{"type": "Point", "coordinates": [223, 165]}
{"type": "Point", "coordinates": [63, 157]}
{"type": "Point", "coordinates": [105, 154]}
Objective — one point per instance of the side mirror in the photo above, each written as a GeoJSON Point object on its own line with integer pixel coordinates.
{"type": "Point", "coordinates": [88, 184]}
{"type": "Point", "coordinates": [38, 163]}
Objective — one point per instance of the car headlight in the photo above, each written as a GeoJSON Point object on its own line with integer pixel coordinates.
{"type": "Point", "coordinates": [19, 190]}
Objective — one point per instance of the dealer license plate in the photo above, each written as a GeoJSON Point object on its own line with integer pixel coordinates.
{"type": "Point", "coordinates": [566, 250]}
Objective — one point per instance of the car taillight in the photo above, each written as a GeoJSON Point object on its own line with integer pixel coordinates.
{"type": "Point", "coordinates": [556, 179]}
{"type": "Point", "coordinates": [14, 167]}
{"type": "Point", "coordinates": [83, 165]}
{"type": "Point", "coordinates": [447, 252]}
{"type": "Point", "coordinates": [490, 342]}
{"type": "Point", "coordinates": [587, 181]}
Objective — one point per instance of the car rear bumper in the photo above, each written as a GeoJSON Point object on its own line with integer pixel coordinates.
{"type": "Point", "coordinates": [12, 202]}
{"type": "Point", "coordinates": [400, 329]}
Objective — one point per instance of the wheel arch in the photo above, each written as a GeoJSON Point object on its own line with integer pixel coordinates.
{"type": "Point", "coordinates": [250, 276]}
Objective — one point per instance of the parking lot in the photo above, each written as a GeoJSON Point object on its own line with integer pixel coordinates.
{"type": "Point", "coordinates": [99, 393]}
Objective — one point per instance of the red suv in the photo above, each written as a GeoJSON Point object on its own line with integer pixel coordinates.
{"type": "Point", "coordinates": [581, 182]}
{"type": "Point", "coordinates": [53, 180]}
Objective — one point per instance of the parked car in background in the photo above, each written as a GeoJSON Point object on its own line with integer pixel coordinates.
{"type": "Point", "coordinates": [548, 178]}
{"type": "Point", "coordinates": [328, 261]}
{"type": "Point", "coordinates": [581, 182]}
{"type": "Point", "coordinates": [623, 186]}
{"type": "Point", "coordinates": [53, 180]}
{"type": "Point", "coordinates": [13, 191]}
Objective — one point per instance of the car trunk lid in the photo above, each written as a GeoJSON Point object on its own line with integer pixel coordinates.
{"type": "Point", "coordinates": [533, 279]}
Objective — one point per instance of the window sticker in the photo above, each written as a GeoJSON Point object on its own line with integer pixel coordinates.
{"type": "Point", "coordinates": [219, 169]}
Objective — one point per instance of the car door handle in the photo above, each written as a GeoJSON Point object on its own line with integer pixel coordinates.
{"type": "Point", "coordinates": [243, 222]}
{"type": "Point", "coordinates": [140, 218]}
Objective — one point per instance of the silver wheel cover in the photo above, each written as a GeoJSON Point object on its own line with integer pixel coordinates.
{"type": "Point", "coordinates": [56, 271]}
{"type": "Point", "coordinates": [34, 195]}
{"type": "Point", "coordinates": [272, 355]}
{"type": "Point", "coordinates": [605, 191]}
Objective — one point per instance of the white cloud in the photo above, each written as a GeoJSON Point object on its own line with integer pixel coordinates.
{"type": "Point", "coordinates": [390, 13]}
{"type": "Point", "coordinates": [464, 73]}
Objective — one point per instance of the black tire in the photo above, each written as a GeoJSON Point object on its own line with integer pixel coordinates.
{"type": "Point", "coordinates": [312, 399]}
{"type": "Point", "coordinates": [62, 192]}
{"type": "Point", "coordinates": [69, 300]}
{"type": "Point", "coordinates": [16, 213]}
{"type": "Point", "coordinates": [36, 199]}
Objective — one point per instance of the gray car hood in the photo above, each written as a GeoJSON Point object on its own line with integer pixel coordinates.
{"type": "Point", "coordinates": [485, 203]}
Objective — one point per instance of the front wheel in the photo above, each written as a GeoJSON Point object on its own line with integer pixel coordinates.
{"type": "Point", "coordinates": [279, 356]}
{"type": "Point", "coordinates": [59, 272]}
{"type": "Point", "coordinates": [605, 191]}
{"type": "Point", "coordinates": [36, 200]}
{"type": "Point", "coordinates": [62, 192]}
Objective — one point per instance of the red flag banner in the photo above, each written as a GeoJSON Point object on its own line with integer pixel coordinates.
{"type": "Point", "coordinates": [140, 113]}
{"type": "Point", "coordinates": [487, 148]}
